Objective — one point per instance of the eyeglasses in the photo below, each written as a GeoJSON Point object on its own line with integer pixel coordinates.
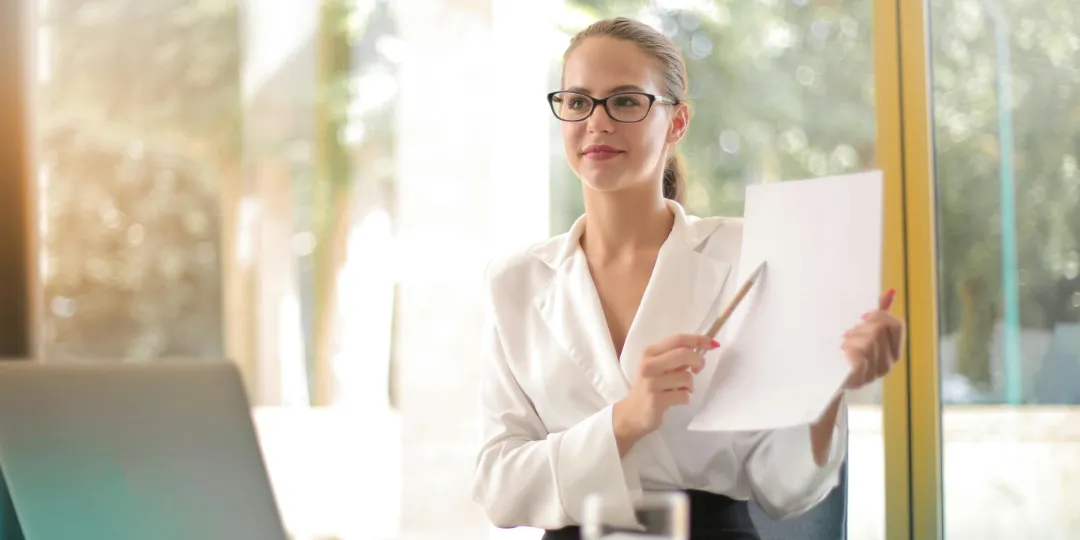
{"type": "Point", "coordinates": [626, 107]}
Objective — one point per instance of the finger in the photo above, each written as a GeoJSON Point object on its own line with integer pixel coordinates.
{"type": "Point", "coordinates": [678, 380]}
{"type": "Point", "coordinates": [672, 360]}
{"type": "Point", "coordinates": [886, 300]}
{"type": "Point", "coordinates": [881, 354]}
{"type": "Point", "coordinates": [674, 397]}
{"type": "Point", "coordinates": [862, 331]}
{"type": "Point", "coordinates": [887, 325]}
{"type": "Point", "coordinates": [885, 350]}
{"type": "Point", "coordinates": [895, 327]}
{"type": "Point", "coordinates": [688, 341]}
{"type": "Point", "coordinates": [882, 367]}
{"type": "Point", "coordinates": [877, 316]}
{"type": "Point", "coordinates": [876, 352]}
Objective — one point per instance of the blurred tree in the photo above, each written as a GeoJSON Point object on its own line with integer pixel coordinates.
{"type": "Point", "coordinates": [1043, 38]}
{"type": "Point", "coordinates": [784, 90]}
{"type": "Point", "coordinates": [779, 90]}
{"type": "Point", "coordinates": [332, 182]}
{"type": "Point", "coordinates": [138, 114]}
{"type": "Point", "coordinates": [354, 135]}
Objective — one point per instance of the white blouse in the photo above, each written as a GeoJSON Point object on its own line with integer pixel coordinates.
{"type": "Point", "coordinates": [551, 376]}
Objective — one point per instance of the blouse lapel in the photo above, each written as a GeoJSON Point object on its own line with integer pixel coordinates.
{"type": "Point", "coordinates": [682, 294]}
{"type": "Point", "coordinates": [682, 291]}
{"type": "Point", "coordinates": [570, 307]}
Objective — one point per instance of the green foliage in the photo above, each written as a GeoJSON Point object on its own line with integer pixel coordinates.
{"type": "Point", "coordinates": [789, 84]}
{"type": "Point", "coordinates": [1043, 42]}
{"type": "Point", "coordinates": [779, 91]}
{"type": "Point", "coordinates": [148, 94]}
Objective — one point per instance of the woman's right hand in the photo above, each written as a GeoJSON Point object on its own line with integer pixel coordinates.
{"type": "Point", "coordinates": [665, 377]}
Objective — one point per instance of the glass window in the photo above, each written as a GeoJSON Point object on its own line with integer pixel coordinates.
{"type": "Point", "coordinates": [215, 183]}
{"type": "Point", "coordinates": [779, 91]}
{"type": "Point", "coordinates": [274, 183]}
{"type": "Point", "coordinates": [1006, 125]}
{"type": "Point", "coordinates": [137, 118]}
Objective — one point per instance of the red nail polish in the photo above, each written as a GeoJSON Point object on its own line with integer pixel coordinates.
{"type": "Point", "coordinates": [714, 343]}
{"type": "Point", "coordinates": [892, 292]}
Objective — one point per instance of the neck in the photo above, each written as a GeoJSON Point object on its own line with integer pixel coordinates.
{"type": "Point", "coordinates": [624, 223]}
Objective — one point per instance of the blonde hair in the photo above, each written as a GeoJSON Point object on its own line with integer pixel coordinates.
{"type": "Point", "coordinates": [673, 79]}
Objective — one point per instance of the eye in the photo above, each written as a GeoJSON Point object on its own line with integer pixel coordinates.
{"type": "Point", "coordinates": [628, 101]}
{"type": "Point", "coordinates": [577, 103]}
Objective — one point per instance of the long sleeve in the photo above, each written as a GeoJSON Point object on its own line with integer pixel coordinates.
{"type": "Point", "coordinates": [782, 473]}
{"type": "Point", "coordinates": [526, 476]}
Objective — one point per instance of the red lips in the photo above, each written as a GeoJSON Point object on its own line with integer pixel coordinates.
{"type": "Point", "coordinates": [601, 152]}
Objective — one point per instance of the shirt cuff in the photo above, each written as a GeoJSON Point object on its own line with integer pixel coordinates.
{"type": "Point", "coordinates": [788, 481]}
{"type": "Point", "coordinates": [589, 462]}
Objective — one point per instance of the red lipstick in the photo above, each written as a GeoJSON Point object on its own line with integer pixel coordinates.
{"type": "Point", "coordinates": [601, 152]}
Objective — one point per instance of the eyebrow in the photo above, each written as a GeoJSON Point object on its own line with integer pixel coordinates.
{"type": "Point", "coordinates": [616, 90]}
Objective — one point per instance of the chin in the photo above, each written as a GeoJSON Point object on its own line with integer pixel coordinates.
{"type": "Point", "coordinates": [603, 181]}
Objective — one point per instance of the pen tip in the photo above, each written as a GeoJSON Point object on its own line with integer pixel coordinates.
{"type": "Point", "coordinates": [757, 271]}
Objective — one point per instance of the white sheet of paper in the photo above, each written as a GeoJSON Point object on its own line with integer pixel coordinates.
{"type": "Point", "coordinates": [781, 363]}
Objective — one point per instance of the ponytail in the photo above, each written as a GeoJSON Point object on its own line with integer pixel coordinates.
{"type": "Point", "coordinates": [675, 178]}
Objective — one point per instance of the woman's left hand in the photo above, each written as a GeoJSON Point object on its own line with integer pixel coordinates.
{"type": "Point", "coordinates": [874, 345]}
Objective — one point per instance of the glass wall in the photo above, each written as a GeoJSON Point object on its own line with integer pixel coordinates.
{"type": "Point", "coordinates": [137, 125]}
{"type": "Point", "coordinates": [1006, 109]}
{"type": "Point", "coordinates": [215, 183]}
{"type": "Point", "coordinates": [276, 184]}
{"type": "Point", "coordinates": [779, 91]}
{"type": "Point", "coordinates": [282, 185]}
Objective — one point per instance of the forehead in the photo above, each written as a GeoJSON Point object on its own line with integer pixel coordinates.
{"type": "Point", "coordinates": [600, 64]}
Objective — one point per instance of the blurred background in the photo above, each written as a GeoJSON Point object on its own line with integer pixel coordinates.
{"type": "Point", "coordinates": [311, 189]}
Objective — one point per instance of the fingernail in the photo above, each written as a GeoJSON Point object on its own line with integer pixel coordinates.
{"type": "Point", "coordinates": [847, 333]}
{"type": "Point", "coordinates": [892, 292]}
{"type": "Point", "coordinates": [865, 316]}
{"type": "Point", "coordinates": [714, 343]}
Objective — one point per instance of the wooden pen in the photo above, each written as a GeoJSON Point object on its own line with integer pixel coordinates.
{"type": "Point", "coordinates": [734, 303]}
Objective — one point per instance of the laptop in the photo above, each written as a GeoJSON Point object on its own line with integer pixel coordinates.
{"type": "Point", "coordinates": [132, 452]}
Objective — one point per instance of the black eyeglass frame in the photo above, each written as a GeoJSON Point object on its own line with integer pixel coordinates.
{"type": "Point", "coordinates": [653, 99]}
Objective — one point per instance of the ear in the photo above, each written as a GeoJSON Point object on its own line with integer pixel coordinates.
{"type": "Point", "coordinates": [680, 121]}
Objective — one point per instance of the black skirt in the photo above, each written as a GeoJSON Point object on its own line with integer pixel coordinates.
{"type": "Point", "coordinates": [712, 517]}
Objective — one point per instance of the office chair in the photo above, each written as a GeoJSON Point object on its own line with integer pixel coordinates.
{"type": "Point", "coordinates": [826, 521]}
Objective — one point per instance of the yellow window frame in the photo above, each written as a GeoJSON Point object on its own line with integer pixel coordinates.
{"type": "Point", "coordinates": [911, 402]}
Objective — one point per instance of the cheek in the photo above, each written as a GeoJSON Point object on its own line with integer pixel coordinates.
{"type": "Point", "coordinates": [572, 134]}
{"type": "Point", "coordinates": [648, 140]}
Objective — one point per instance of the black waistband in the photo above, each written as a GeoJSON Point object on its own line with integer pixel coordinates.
{"type": "Point", "coordinates": [712, 517]}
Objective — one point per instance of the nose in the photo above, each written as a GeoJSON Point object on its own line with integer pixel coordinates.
{"type": "Point", "coordinates": [600, 121]}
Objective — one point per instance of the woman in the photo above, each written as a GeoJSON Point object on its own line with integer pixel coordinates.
{"type": "Point", "coordinates": [588, 381]}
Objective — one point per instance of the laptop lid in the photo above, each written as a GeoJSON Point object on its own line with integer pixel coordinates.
{"type": "Point", "coordinates": [133, 451]}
